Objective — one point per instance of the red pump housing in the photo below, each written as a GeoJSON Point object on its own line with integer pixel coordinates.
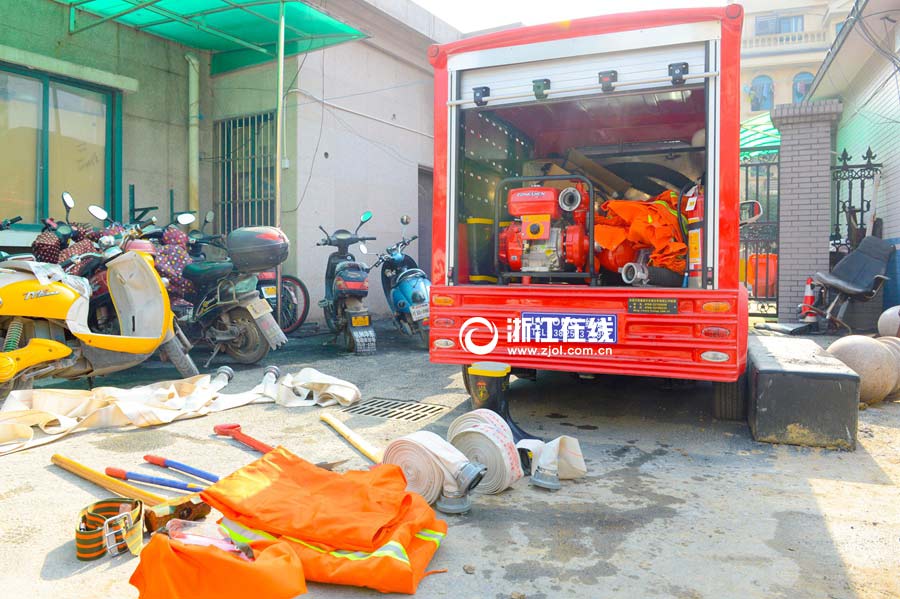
{"type": "Point", "coordinates": [550, 233]}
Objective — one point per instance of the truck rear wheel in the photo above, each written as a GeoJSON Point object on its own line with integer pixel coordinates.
{"type": "Point", "coordinates": [730, 400]}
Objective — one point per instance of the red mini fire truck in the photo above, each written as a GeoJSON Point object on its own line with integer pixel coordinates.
{"type": "Point", "coordinates": [586, 204]}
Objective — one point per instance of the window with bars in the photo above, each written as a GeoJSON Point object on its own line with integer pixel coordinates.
{"type": "Point", "coordinates": [244, 172]}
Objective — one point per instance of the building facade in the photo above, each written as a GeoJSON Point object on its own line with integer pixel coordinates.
{"type": "Point", "coordinates": [861, 71]}
{"type": "Point", "coordinates": [784, 42]}
{"type": "Point", "coordinates": [106, 111]}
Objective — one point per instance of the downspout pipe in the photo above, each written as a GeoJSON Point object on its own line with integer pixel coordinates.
{"type": "Point", "coordinates": [193, 133]}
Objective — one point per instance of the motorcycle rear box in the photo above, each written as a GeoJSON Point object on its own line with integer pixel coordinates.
{"type": "Point", "coordinates": [254, 249]}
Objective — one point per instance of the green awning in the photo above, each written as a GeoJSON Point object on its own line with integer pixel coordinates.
{"type": "Point", "coordinates": [239, 33]}
{"type": "Point", "coordinates": [759, 135]}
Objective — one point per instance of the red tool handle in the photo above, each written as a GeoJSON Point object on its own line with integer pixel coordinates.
{"type": "Point", "coordinates": [234, 431]}
{"type": "Point", "coordinates": [251, 442]}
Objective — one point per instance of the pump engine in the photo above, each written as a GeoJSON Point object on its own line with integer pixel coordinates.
{"type": "Point", "coordinates": [549, 232]}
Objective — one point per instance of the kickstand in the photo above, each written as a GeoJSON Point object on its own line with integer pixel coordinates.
{"type": "Point", "coordinates": [215, 353]}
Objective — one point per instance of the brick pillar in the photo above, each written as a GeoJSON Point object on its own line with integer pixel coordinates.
{"type": "Point", "coordinates": [804, 196]}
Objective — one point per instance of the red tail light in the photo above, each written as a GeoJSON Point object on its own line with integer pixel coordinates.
{"type": "Point", "coordinates": [715, 332]}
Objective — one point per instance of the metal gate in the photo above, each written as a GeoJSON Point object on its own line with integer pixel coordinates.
{"type": "Point", "coordinates": [759, 240]}
{"type": "Point", "coordinates": [244, 173]}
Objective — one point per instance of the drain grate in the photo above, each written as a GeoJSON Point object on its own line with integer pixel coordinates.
{"type": "Point", "coordinates": [395, 409]}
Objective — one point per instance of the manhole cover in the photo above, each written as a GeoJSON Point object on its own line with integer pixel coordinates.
{"type": "Point", "coordinates": [394, 409]}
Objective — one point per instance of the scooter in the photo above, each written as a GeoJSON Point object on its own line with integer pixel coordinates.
{"type": "Point", "coordinates": [406, 288]}
{"type": "Point", "coordinates": [346, 288]}
{"type": "Point", "coordinates": [44, 320]}
{"type": "Point", "coordinates": [225, 309]}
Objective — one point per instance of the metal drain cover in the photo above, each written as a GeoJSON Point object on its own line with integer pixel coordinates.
{"type": "Point", "coordinates": [395, 409]}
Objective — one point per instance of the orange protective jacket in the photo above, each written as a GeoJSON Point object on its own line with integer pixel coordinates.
{"type": "Point", "coordinates": [647, 224]}
{"type": "Point", "coordinates": [170, 569]}
{"type": "Point", "coordinates": [358, 528]}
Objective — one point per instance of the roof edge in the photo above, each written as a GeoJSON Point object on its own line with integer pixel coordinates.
{"type": "Point", "coordinates": [439, 53]}
{"type": "Point", "coordinates": [856, 12]}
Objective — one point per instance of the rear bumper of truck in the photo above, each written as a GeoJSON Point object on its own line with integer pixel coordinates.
{"type": "Point", "coordinates": [660, 332]}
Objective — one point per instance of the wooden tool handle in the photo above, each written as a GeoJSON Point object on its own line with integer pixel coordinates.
{"type": "Point", "coordinates": [107, 482]}
{"type": "Point", "coordinates": [364, 447]}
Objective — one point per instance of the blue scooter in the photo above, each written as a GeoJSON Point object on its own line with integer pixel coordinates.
{"type": "Point", "coordinates": [406, 288]}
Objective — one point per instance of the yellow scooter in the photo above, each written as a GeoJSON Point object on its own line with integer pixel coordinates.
{"type": "Point", "coordinates": [44, 319]}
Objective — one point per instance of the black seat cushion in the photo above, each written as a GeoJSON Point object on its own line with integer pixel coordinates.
{"type": "Point", "coordinates": [203, 273]}
{"type": "Point", "coordinates": [856, 273]}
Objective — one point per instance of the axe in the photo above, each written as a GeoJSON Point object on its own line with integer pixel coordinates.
{"type": "Point", "coordinates": [157, 509]}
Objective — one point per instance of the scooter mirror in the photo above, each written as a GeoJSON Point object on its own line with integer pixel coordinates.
{"type": "Point", "coordinates": [366, 217]}
{"type": "Point", "coordinates": [68, 201]}
{"type": "Point", "coordinates": [405, 220]}
{"type": "Point", "coordinates": [98, 212]}
{"type": "Point", "coordinates": [210, 217]}
{"type": "Point", "coordinates": [363, 249]}
{"type": "Point", "coordinates": [185, 218]}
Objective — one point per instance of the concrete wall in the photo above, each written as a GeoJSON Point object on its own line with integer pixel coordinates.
{"type": "Point", "coordinates": [362, 148]}
{"type": "Point", "coordinates": [154, 133]}
{"type": "Point", "coordinates": [347, 163]}
{"type": "Point", "coordinates": [361, 152]}
{"type": "Point", "coordinates": [804, 196]}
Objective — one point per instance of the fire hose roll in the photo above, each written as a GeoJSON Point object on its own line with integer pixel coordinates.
{"type": "Point", "coordinates": [484, 437]}
{"type": "Point", "coordinates": [428, 462]}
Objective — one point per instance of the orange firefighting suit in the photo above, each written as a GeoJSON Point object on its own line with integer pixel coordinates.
{"type": "Point", "coordinates": [649, 224]}
{"type": "Point", "coordinates": [170, 569]}
{"type": "Point", "coordinates": [359, 528]}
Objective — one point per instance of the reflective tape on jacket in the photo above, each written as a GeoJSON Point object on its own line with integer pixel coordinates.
{"type": "Point", "coordinates": [392, 549]}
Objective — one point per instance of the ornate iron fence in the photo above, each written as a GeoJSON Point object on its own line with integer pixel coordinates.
{"type": "Point", "coordinates": [759, 240]}
{"type": "Point", "coordinates": [849, 210]}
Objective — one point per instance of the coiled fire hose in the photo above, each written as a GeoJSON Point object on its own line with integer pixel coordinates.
{"type": "Point", "coordinates": [484, 437]}
{"type": "Point", "coordinates": [435, 470]}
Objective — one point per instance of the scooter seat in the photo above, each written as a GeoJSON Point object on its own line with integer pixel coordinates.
{"type": "Point", "coordinates": [350, 266]}
{"type": "Point", "coordinates": [202, 273]}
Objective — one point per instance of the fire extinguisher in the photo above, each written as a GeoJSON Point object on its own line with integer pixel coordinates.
{"type": "Point", "coordinates": [693, 213]}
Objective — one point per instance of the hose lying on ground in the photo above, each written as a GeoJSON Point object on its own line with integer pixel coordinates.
{"type": "Point", "coordinates": [429, 463]}
{"type": "Point", "coordinates": [484, 437]}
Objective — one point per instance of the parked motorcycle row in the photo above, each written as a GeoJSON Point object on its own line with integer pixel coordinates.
{"type": "Point", "coordinates": [406, 289]}
{"type": "Point", "coordinates": [94, 300]}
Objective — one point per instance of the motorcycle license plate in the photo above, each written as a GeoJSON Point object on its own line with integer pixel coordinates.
{"type": "Point", "coordinates": [419, 311]}
{"type": "Point", "coordinates": [359, 321]}
{"type": "Point", "coordinates": [269, 291]}
{"type": "Point", "coordinates": [258, 307]}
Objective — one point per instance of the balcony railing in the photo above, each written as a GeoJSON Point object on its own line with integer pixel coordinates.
{"type": "Point", "coordinates": [778, 40]}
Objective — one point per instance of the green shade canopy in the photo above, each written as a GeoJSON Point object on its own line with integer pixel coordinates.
{"type": "Point", "coordinates": [239, 33]}
{"type": "Point", "coordinates": [759, 135]}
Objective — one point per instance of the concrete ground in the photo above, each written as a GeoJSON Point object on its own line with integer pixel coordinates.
{"type": "Point", "coordinates": [675, 504]}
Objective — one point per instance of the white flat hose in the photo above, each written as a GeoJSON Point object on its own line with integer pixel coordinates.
{"type": "Point", "coordinates": [484, 437]}
{"type": "Point", "coordinates": [429, 463]}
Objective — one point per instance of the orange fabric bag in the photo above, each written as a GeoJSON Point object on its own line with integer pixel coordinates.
{"type": "Point", "coordinates": [647, 224]}
{"type": "Point", "coordinates": [359, 528]}
{"type": "Point", "coordinates": [170, 569]}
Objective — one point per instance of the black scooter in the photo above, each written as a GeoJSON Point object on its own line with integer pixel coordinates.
{"type": "Point", "coordinates": [346, 288]}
